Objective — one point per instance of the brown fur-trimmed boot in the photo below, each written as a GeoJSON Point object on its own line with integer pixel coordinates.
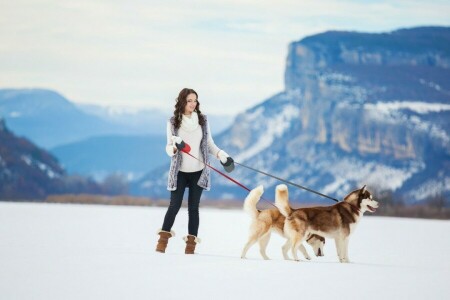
{"type": "Point", "coordinates": [164, 237]}
{"type": "Point", "coordinates": [191, 241]}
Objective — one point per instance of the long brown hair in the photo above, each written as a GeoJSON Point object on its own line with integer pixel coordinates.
{"type": "Point", "coordinates": [180, 104]}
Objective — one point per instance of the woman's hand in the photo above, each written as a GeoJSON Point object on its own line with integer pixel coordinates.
{"type": "Point", "coordinates": [226, 161]}
{"type": "Point", "coordinates": [177, 142]}
{"type": "Point", "coordinates": [222, 155]}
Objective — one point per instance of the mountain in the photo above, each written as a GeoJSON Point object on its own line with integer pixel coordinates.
{"type": "Point", "coordinates": [25, 170]}
{"type": "Point", "coordinates": [29, 172]}
{"type": "Point", "coordinates": [145, 121]}
{"type": "Point", "coordinates": [48, 118]}
{"type": "Point", "coordinates": [91, 140]}
{"type": "Point", "coordinates": [99, 156]}
{"type": "Point", "coordinates": [137, 121]}
{"type": "Point", "coordinates": [357, 108]}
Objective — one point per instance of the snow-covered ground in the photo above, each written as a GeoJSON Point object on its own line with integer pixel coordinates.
{"type": "Point", "coordinates": [61, 251]}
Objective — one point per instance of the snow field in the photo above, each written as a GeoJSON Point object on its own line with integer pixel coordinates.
{"type": "Point", "coordinates": [61, 251]}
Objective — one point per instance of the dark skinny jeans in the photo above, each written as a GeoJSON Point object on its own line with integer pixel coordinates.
{"type": "Point", "coordinates": [176, 198]}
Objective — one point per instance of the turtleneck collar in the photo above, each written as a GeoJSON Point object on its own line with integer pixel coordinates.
{"type": "Point", "coordinates": [190, 123]}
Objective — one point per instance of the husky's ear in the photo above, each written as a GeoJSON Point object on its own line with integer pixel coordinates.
{"type": "Point", "coordinates": [363, 189]}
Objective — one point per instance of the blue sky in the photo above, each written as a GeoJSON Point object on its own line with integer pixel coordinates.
{"type": "Point", "coordinates": [141, 53]}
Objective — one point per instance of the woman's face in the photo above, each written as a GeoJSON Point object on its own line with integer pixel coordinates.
{"type": "Point", "coordinates": [191, 104]}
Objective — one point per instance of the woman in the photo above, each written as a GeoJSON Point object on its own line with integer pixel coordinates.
{"type": "Point", "coordinates": [188, 126]}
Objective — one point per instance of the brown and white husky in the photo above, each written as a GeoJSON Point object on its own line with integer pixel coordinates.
{"type": "Point", "coordinates": [337, 221]}
{"type": "Point", "coordinates": [264, 221]}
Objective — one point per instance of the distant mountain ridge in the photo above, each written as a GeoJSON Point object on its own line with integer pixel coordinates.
{"type": "Point", "coordinates": [48, 118]}
{"type": "Point", "coordinates": [145, 121]}
{"type": "Point", "coordinates": [357, 108]}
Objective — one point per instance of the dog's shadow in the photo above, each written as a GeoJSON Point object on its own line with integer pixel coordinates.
{"type": "Point", "coordinates": [380, 265]}
{"type": "Point", "coordinates": [306, 261]}
{"type": "Point", "coordinates": [357, 264]}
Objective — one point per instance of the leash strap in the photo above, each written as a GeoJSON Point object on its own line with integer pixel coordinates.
{"type": "Point", "coordinates": [228, 177]}
{"type": "Point", "coordinates": [224, 175]}
{"type": "Point", "coordinates": [288, 182]}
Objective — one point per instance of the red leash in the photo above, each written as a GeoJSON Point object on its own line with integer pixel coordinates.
{"type": "Point", "coordinates": [224, 175]}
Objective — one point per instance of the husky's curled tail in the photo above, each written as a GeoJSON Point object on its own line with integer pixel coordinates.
{"type": "Point", "coordinates": [282, 200]}
{"type": "Point", "coordinates": [251, 200]}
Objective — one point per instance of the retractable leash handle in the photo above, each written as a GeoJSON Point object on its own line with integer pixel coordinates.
{"type": "Point", "coordinates": [185, 148]}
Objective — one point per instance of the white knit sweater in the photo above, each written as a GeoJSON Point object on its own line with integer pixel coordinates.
{"type": "Point", "coordinates": [191, 133]}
